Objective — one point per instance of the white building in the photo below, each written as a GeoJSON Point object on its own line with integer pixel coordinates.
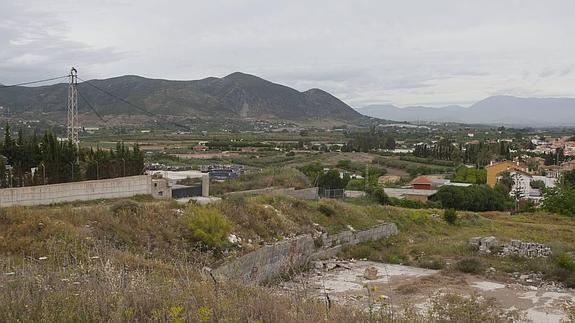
{"type": "Point", "coordinates": [522, 185]}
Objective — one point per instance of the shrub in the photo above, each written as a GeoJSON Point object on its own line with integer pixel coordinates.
{"type": "Point", "coordinates": [326, 210]}
{"type": "Point", "coordinates": [473, 198]}
{"type": "Point", "coordinates": [379, 195]}
{"type": "Point", "coordinates": [469, 265]}
{"type": "Point", "coordinates": [410, 204]}
{"type": "Point", "coordinates": [344, 163]}
{"type": "Point", "coordinates": [433, 263]}
{"type": "Point", "coordinates": [208, 226]}
{"type": "Point", "coordinates": [450, 216]}
{"type": "Point", "coordinates": [125, 206]}
{"type": "Point", "coordinates": [565, 261]}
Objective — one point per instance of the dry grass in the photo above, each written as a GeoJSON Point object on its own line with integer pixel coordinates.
{"type": "Point", "coordinates": [125, 262]}
{"type": "Point", "coordinates": [276, 177]}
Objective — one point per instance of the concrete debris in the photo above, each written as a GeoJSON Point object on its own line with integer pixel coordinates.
{"type": "Point", "coordinates": [234, 239]}
{"type": "Point", "coordinates": [484, 244]}
{"type": "Point", "coordinates": [535, 281]}
{"type": "Point", "coordinates": [526, 249]}
{"type": "Point", "coordinates": [370, 273]}
{"type": "Point", "coordinates": [515, 247]}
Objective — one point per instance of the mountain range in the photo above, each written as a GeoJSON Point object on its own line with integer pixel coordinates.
{"type": "Point", "coordinates": [237, 95]}
{"type": "Point", "coordinates": [497, 110]}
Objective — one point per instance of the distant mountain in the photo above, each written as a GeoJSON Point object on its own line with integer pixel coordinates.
{"type": "Point", "coordinates": [493, 110]}
{"type": "Point", "coordinates": [237, 95]}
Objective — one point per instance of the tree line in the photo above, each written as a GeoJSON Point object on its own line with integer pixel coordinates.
{"type": "Point", "coordinates": [479, 154]}
{"type": "Point", "coordinates": [369, 141]}
{"type": "Point", "coordinates": [35, 160]}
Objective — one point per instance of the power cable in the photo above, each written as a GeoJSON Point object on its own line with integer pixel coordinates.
{"type": "Point", "coordinates": [149, 113]}
{"type": "Point", "coordinates": [92, 107]}
{"type": "Point", "coordinates": [32, 82]}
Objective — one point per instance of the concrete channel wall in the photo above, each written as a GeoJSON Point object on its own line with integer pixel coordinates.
{"type": "Point", "coordinates": [77, 191]}
{"type": "Point", "coordinates": [271, 261]}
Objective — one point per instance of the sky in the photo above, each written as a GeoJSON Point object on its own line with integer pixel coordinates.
{"type": "Point", "coordinates": [405, 53]}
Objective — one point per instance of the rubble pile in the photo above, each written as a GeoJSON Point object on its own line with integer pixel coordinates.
{"type": "Point", "coordinates": [515, 247]}
{"type": "Point", "coordinates": [484, 244]}
{"type": "Point", "coordinates": [526, 249]}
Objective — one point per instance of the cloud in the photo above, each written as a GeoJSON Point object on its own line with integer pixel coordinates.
{"type": "Point", "coordinates": [35, 46]}
{"type": "Point", "coordinates": [407, 53]}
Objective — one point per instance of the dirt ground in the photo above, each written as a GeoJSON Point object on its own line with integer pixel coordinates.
{"type": "Point", "coordinates": [345, 283]}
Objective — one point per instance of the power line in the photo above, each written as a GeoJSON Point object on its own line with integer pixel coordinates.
{"type": "Point", "coordinates": [33, 82]}
{"type": "Point", "coordinates": [92, 107]}
{"type": "Point", "coordinates": [118, 98]}
{"type": "Point", "coordinates": [149, 113]}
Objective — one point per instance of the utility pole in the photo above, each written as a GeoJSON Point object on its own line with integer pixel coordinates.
{"type": "Point", "coordinates": [73, 125]}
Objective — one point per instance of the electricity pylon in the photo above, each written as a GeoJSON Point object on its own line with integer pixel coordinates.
{"type": "Point", "coordinates": [73, 125]}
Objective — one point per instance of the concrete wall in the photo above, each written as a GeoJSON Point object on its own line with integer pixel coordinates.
{"type": "Point", "coordinates": [77, 191]}
{"type": "Point", "coordinates": [270, 261]}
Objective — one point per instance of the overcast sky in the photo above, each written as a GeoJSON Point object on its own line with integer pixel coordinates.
{"type": "Point", "coordinates": [365, 52]}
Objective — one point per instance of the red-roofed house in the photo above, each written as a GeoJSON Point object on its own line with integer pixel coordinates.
{"type": "Point", "coordinates": [422, 183]}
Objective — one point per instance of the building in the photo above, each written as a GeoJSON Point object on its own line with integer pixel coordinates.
{"type": "Point", "coordinates": [422, 183]}
{"type": "Point", "coordinates": [418, 195]}
{"type": "Point", "coordinates": [224, 173]}
{"type": "Point", "coordinates": [522, 185]}
{"type": "Point", "coordinates": [494, 169]}
{"type": "Point", "coordinates": [200, 148]}
{"type": "Point", "coordinates": [175, 190]}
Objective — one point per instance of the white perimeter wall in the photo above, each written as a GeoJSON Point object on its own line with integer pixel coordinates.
{"type": "Point", "coordinates": [77, 191]}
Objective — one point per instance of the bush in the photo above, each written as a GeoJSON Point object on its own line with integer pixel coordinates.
{"type": "Point", "coordinates": [433, 263]}
{"type": "Point", "coordinates": [410, 204]}
{"type": "Point", "coordinates": [560, 200]}
{"type": "Point", "coordinates": [469, 265]}
{"type": "Point", "coordinates": [208, 226]}
{"type": "Point", "coordinates": [379, 195]}
{"type": "Point", "coordinates": [473, 198]}
{"type": "Point", "coordinates": [326, 210]}
{"type": "Point", "coordinates": [125, 207]}
{"type": "Point", "coordinates": [450, 216]}
{"type": "Point", "coordinates": [344, 163]}
{"type": "Point", "coordinates": [565, 261]}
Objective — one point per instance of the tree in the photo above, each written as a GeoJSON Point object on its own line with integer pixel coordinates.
{"type": "Point", "coordinates": [568, 178]}
{"type": "Point", "coordinates": [560, 200]}
{"type": "Point", "coordinates": [312, 171]}
{"type": "Point", "coordinates": [472, 198]}
{"type": "Point", "coordinates": [379, 195]}
{"type": "Point", "coordinates": [331, 180]}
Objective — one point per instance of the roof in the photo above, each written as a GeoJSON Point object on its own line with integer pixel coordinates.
{"type": "Point", "coordinates": [421, 180]}
{"type": "Point", "coordinates": [401, 192]}
{"type": "Point", "coordinates": [520, 172]}
{"type": "Point", "coordinates": [509, 162]}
